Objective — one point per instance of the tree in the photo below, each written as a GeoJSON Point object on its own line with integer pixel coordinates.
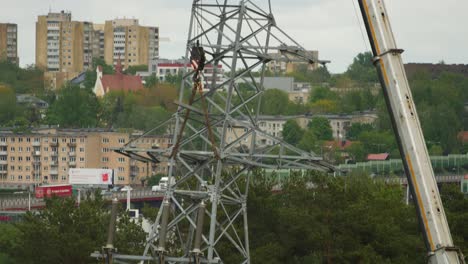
{"type": "Point", "coordinates": [65, 233]}
{"type": "Point", "coordinates": [7, 104]}
{"type": "Point", "coordinates": [321, 128]}
{"type": "Point", "coordinates": [308, 141]}
{"type": "Point", "coordinates": [351, 219]}
{"type": "Point", "coordinates": [133, 69]}
{"type": "Point", "coordinates": [356, 129]}
{"type": "Point", "coordinates": [322, 93]}
{"type": "Point", "coordinates": [292, 132]}
{"type": "Point", "coordinates": [75, 107]}
{"type": "Point", "coordinates": [362, 69]}
{"type": "Point", "coordinates": [274, 102]}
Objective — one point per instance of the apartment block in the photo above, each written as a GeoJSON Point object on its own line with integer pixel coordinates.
{"type": "Point", "coordinates": [65, 48]}
{"type": "Point", "coordinates": [132, 43]}
{"type": "Point", "coordinates": [279, 65]}
{"type": "Point", "coordinates": [46, 155]}
{"type": "Point", "coordinates": [9, 42]}
{"type": "Point", "coordinates": [273, 126]}
{"type": "Point", "coordinates": [162, 68]}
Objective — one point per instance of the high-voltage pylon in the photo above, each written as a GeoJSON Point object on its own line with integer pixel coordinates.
{"type": "Point", "coordinates": [217, 137]}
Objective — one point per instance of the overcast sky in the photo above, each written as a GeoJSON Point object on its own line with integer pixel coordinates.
{"type": "Point", "coordinates": [428, 30]}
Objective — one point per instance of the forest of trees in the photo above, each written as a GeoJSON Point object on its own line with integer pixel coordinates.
{"type": "Point", "coordinates": [339, 220]}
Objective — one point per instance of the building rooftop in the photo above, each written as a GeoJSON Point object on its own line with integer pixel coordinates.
{"type": "Point", "coordinates": [120, 81]}
{"type": "Point", "coordinates": [379, 156]}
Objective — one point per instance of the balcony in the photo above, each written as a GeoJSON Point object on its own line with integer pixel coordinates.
{"type": "Point", "coordinates": [3, 153]}
{"type": "Point", "coordinates": [36, 162]}
{"type": "Point", "coordinates": [53, 172]}
{"type": "Point", "coordinates": [72, 154]}
{"type": "Point", "coordinates": [53, 144]}
{"type": "Point", "coordinates": [3, 144]}
{"type": "Point", "coordinates": [72, 163]}
{"type": "Point", "coordinates": [36, 153]}
{"type": "Point", "coordinates": [36, 144]}
{"type": "Point", "coordinates": [53, 154]}
{"type": "Point", "coordinates": [71, 144]}
{"type": "Point", "coordinates": [3, 162]}
{"type": "Point", "coordinates": [53, 163]}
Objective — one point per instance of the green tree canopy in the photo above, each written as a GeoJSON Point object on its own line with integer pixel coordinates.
{"type": "Point", "coordinates": [75, 107]}
{"type": "Point", "coordinates": [321, 128]}
{"type": "Point", "coordinates": [274, 102]}
{"type": "Point", "coordinates": [292, 132]}
{"type": "Point", "coordinates": [7, 104]}
{"type": "Point", "coordinates": [362, 69]}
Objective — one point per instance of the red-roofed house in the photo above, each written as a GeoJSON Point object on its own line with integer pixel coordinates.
{"type": "Point", "coordinates": [116, 82]}
{"type": "Point", "coordinates": [463, 137]}
{"type": "Point", "coordinates": [379, 156]}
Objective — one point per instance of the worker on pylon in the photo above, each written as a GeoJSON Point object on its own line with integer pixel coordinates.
{"type": "Point", "coordinates": [197, 60]}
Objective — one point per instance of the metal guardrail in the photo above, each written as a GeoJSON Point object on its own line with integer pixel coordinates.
{"type": "Point", "coordinates": [14, 201]}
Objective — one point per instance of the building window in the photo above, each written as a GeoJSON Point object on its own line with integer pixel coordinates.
{"type": "Point", "coordinates": [11, 159]}
{"type": "Point", "coordinates": [121, 169]}
{"type": "Point", "coordinates": [64, 140]}
{"type": "Point", "coordinates": [64, 177]}
{"type": "Point", "coordinates": [21, 158]}
{"type": "Point", "coordinates": [82, 140]}
{"type": "Point", "coordinates": [105, 150]}
{"type": "Point", "coordinates": [105, 140]}
{"type": "Point", "coordinates": [64, 158]}
{"type": "Point", "coordinates": [12, 149]}
{"type": "Point", "coordinates": [28, 149]}
{"type": "Point", "coordinates": [122, 140]}
{"type": "Point", "coordinates": [105, 159]}
{"type": "Point", "coordinates": [121, 178]}
{"type": "Point", "coordinates": [81, 159]}
{"type": "Point", "coordinates": [121, 160]}
{"type": "Point", "coordinates": [81, 149]}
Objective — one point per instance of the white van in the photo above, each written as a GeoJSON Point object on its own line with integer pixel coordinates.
{"type": "Point", "coordinates": [162, 186]}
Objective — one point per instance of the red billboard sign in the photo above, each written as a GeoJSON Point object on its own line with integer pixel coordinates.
{"type": "Point", "coordinates": [53, 190]}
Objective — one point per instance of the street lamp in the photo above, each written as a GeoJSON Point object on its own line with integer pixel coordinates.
{"type": "Point", "coordinates": [128, 189]}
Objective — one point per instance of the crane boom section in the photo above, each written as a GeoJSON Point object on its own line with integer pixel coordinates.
{"type": "Point", "coordinates": [406, 125]}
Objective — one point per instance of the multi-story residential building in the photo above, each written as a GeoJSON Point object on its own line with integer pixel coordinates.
{"type": "Point", "coordinates": [279, 65]}
{"type": "Point", "coordinates": [132, 43]}
{"type": "Point", "coordinates": [46, 155]}
{"type": "Point", "coordinates": [142, 170]}
{"type": "Point", "coordinates": [273, 126]}
{"type": "Point", "coordinates": [9, 42]}
{"type": "Point", "coordinates": [162, 68]}
{"type": "Point", "coordinates": [65, 48]}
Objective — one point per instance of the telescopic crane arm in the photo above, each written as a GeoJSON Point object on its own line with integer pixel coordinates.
{"type": "Point", "coordinates": [405, 122]}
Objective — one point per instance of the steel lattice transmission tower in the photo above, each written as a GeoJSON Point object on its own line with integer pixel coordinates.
{"type": "Point", "coordinates": [220, 138]}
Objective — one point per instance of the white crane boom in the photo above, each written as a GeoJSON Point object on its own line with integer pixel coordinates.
{"type": "Point", "coordinates": [407, 128]}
